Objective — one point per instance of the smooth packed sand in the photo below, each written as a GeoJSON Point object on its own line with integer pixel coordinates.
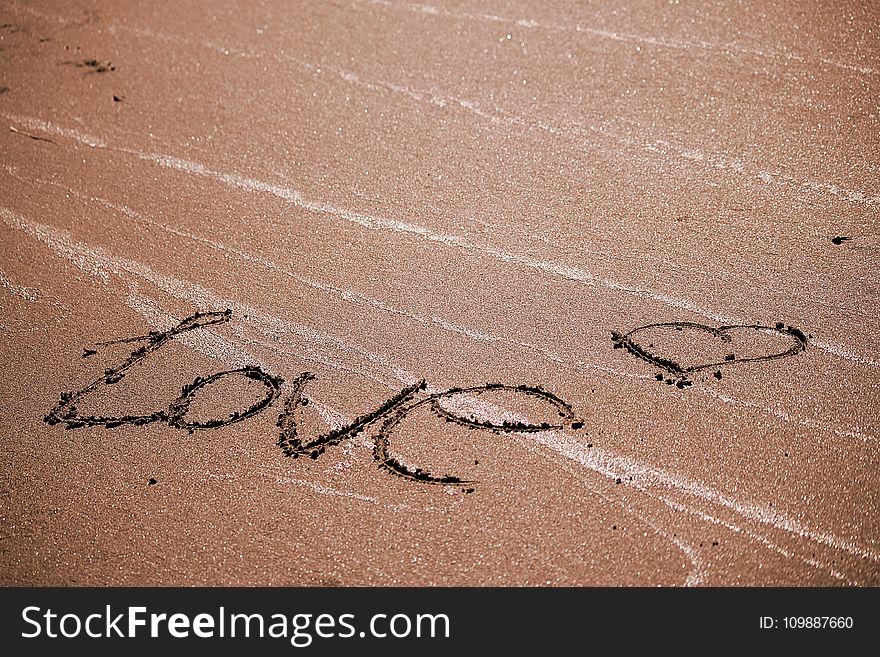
{"type": "Point", "coordinates": [464, 193]}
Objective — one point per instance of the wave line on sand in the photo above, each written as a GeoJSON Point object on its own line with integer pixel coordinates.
{"type": "Point", "coordinates": [664, 42]}
{"type": "Point", "coordinates": [620, 469]}
{"type": "Point", "coordinates": [787, 417]}
{"type": "Point", "coordinates": [721, 163]}
{"type": "Point", "coordinates": [101, 264]}
{"type": "Point", "coordinates": [617, 467]}
{"type": "Point", "coordinates": [737, 529]}
{"type": "Point", "coordinates": [589, 135]}
{"type": "Point", "coordinates": [371, 222]}
{"type": "Point", "coordinates": [26, 293]}
{"type": "Point", "coordinates": [441, 99]}
{"type": "Point", "coordinates": [700, 572]}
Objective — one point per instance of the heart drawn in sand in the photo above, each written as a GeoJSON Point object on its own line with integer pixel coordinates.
{"type": "Point", "coordinates": [684, 347]}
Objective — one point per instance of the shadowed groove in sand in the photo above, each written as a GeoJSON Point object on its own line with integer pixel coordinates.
{"type": "Point", "coordinates": [101, 265]}
{"type": "Point", "coordinates": [607, 464]}
{"type": "Point", "coordinates": [207, 343]}
{"type": "Point", "coordinates": [402, 404]}
{"type": "Point", "coordinates": [336, 420]}
{"type": "Point", "coordinates": [292, 445]}
{"type": "Point", "coordinates": [392, 464]}
{"type": "Point", "coordinates": [67, 413]}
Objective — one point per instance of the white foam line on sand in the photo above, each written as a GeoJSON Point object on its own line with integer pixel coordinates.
{"type": "Point", "coordinates": [710, 519]}
{"type": "Point", "coordinates": [786, 417]}
{"type": "Point", "coordinates": [328, 490]}
{"type": "Point", "coordinates": [736, 165]}
{"type": "Point", "coordinates": [647, 478]}
{"type": "Point", "coordinates": [590, 133]}
{"type": "Point", "coordinates": [618, 467]}
{"type": "Point", "coordinates": [498, 118]}
{"type": "Point", "coordinates": [332, 418]}
{"type": "Point", "coordinates": [370, 222]}
{"type": "Point", "coordinates": [352, 296]}
{"type": "Point", "coordinates": [26, 293]}
{"type": "Point", "coordinates": [699, 571]}
{"type": "Point", "coordinates": [205, 342]}
{"type": "Point", "coordinates": [843, 352]}
{"type": "Point", "coordinates": [102, 264]}
{"type": "Point", "coordinates": [665, 42]}
{"type": "Point", "coordinates": [622, 468]}
{"type": "Point", "coordinates": [441, 99]}
{"type": "Point", "coordinates": [529, 23]}
{"type": "Point", "coordinates": [562, 271]}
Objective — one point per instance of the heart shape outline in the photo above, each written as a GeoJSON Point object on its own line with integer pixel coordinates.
{"type": "Point", "coordinates": [627, 342]}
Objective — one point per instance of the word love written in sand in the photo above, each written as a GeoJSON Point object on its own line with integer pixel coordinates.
{"type": "Point", "coordinates": [782, 342]}
{"type": "Point", "coordinates": [390, 414]}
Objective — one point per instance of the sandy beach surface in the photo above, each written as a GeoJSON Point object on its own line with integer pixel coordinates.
{"type": "Point", "coordinates": [600, 280]}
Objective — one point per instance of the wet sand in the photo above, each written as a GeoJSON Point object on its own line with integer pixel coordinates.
{"type": "Point", "coordinates": [664, 217]}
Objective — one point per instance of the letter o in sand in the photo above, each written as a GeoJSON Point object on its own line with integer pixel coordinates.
{"type": "Point", "coordinates": [562, 414]}
{"type": "Point", "coordinates": [180, 407]}
{"type": "Point", "coordinates": [563, 410]}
